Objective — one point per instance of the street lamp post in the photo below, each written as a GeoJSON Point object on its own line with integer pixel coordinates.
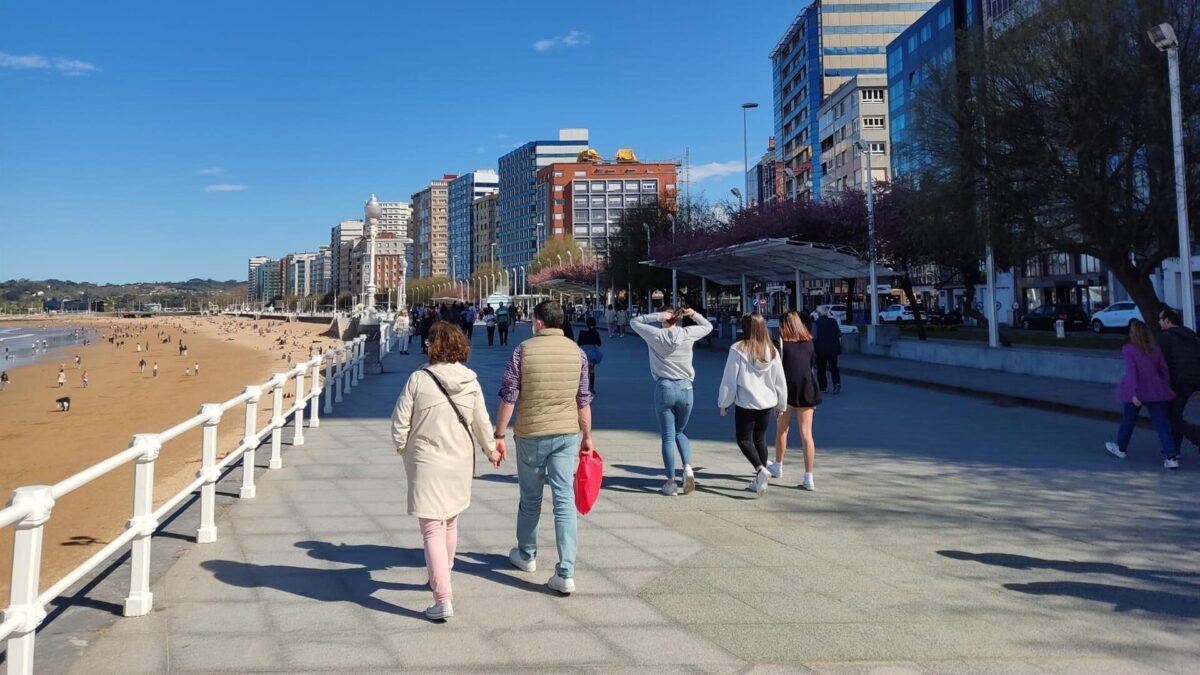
{"type": "Point", "coordinates": [373, 212]}
{"type": "Point", "coordinates": [738, 193]}
{"type": "Point", "coordinates": [649, 290]}
{"type": "Point", "coordinates": [746, 140]}
{"type": "Point", "coordinates": [674, 272]}
{"type": "Point", "coordinates": [1163, 37]}
{"type": "Point", "coordinates": [869, 182]}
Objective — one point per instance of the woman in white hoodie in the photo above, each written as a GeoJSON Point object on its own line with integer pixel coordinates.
{"type": "Point", "coordinates": [439, 419]}
{"type": "Point", "coordinates": [753, 382]}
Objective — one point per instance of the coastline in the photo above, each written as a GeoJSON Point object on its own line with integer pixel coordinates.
{"type": "Point", "coordinates": [40, 445]}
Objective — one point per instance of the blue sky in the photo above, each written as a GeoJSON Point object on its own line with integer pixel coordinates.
{"type": "Point", "coordinates": [158, 140]}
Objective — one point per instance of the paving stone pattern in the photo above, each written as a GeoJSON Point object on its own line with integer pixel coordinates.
{"type": "Point", "coordinates": [947, 534]}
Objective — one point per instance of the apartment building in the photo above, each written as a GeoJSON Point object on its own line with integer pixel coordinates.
{"type": "Point", "coordinates": [430, 228]}
{"type": "Point", "coordinates": [483, 251]}
{"type": "Point", "coordinates": [464, 190]}
{"type": "Point", "coordinates": [251, 277]}
{"type": "Point", "coordinates": [520, 231]}
{"type": "Point", "coordinates": [342, 238]}
{"type": "Point", "coordinates": [855, 113]}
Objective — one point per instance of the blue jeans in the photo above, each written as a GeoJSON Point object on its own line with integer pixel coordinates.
{"type": "Point", "coordinates": [1159, 415]}
{"type": "Point", "coordinates": [541, 460]}
{"type": "Point", "coordinates": [673, 406]}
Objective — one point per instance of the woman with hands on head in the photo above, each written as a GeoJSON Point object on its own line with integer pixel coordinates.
{"type": "Point", "coordinates": [439, 419]}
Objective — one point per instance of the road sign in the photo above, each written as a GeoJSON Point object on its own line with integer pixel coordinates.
{"type": "Point", "coordinates": [762, 302]}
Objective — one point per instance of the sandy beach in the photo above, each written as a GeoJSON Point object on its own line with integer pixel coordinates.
{"type": "Point", "coordinates": [40, 445]}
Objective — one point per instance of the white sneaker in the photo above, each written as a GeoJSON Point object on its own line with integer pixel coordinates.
{"type": "Point", "coordinates": [440, 611]}
{"type": "Point", "coordinates": [775, 469]}
{"type": "Point", "coordinates": [1170, 463]}
{"type": "Point", "coordinates": [1114, 450]}
{"type": "Point", "coordinates": [761, 480]}
{"type": "Point", "coordinates": [689, 480]}
{"type": "Point", "coordinates": [564, 586]}
{"type": "Point", "coordinates": [669, 488]}
{"type": "Point", "coordinates": [807, 484]}
{"type": "Point", "coordinates": [518, 561]}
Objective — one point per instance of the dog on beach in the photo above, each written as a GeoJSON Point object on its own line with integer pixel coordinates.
{"type": "Point", "coordinates": [64, 403]}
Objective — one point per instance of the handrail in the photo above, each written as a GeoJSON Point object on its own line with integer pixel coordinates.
{"type": "Point", "coordinates": [30, 507]}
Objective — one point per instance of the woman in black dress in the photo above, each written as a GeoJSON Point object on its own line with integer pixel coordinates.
{"type": "Point", "coordinates": [803, 395]}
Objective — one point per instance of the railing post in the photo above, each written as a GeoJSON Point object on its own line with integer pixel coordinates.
{"type": "Point", "coordinates": [140, 600]}
{"type": "Point", "coordinates": [208, 471]}
{"type": "Point", "coordinates": [338, 375]}
{"type": "Point", "coordinates": [277, 420]}
{"type": "Point", "coordinates": [298, 419]}
{"type": "Point", "coordinates": [348, 385]}
{"type": "Point", "coordinates": [356, 351]}
{"type": "Point", "coordinates": [362, 354]}
{"type": "Point", "coordinates": [327, 387]}
{"type": "Point", "coordinates": [250, 439]}
{"type": "Point", "coordinates": [26, 576]}
{"type": "Point", "coordinates": [314, 419]}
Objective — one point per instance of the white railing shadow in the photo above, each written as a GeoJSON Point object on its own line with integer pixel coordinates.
{"type": "Point", "coordinates": [30, 507]}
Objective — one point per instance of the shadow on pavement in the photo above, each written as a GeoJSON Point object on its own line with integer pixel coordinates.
{"type": "Point", "coordinates": [1122, 598]}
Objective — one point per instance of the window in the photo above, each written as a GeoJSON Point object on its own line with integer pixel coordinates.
{"type": "Point", "coordinates": [558, 188]}
{"type": "Point", "coordinates": [614, 186]}
{"type": "Point", "coordinates": [558, 174]}
{"type": "Point", "coordinates": [580, 174]}
{"type": "Point", "coordinates": [558, 216]}
{"type": "Point", "coordinates": [873, 122]}
{"type": "Point", "coordinates": [875, 95]}
{"type": "Point", "coordinates": [912, 44]}
{"type": "Point", "coordinates": [878, 148]}
{"type": "Point", "coordinates": [649, 186]}
{"type": "Point", "coordinates": [944, 18]}
{"type": "Point", "coordinates": [1058, 264]}
{"type": "Point", "coordinates": [1089, 264]}
{"type": "Point", "coordinates": [926, 33]}
{"type": "Point", "coordinates": [559, 202]}
{"type": "Point", "coordinates": [581, 201]}
{"type": "Point", "coordinates": [597, 186]}
{"type": "Point", "coordinates": [631, 186]}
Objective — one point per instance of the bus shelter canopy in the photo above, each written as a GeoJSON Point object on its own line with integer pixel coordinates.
{"type": "Point", "coordinates": [772, 260]}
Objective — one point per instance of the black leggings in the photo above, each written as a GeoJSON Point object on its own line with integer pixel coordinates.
{"type": "Point", "coordinates": [503, 333]}
{"type": "Point", "coordinates": [751, 428]}
{"type": "Point", "coordinates": [491, 330]}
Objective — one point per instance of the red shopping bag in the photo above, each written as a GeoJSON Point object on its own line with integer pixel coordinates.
{"type": "Point", "coordinates": [587, 481]}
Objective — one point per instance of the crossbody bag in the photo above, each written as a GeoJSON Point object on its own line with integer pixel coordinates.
{"type": "Point", "coordinates": [457, 413]}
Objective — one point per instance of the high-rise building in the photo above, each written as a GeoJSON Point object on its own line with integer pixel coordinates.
{"type": "Point", "coordinates": [342, 238]}
{"type": "Point", "coordinates": [389, 266]}
{"type": "Point", "coordinates": [829, 42]}
{"type": "Point", "coordinates": [396, 218]}
{"type": "Point", "coordinates": [430, 228]}
{"type": "Point", "coordinates": [518, 211]}
{"type": "Point", "coordinates": [484, 221]}
{"type": "Point", "coordinates": [299, 273]}
{"type": "Point", "coordinates": [764, 182]}
{"type": "Point", "coordinates": [251, 277]}
{"type": "Point", "coordinates": [585, 200]}
{"type": "Point", "coordinates": [268, 282]}
{"type": "Point", "coordinates": [855, 111]}
{"type": "Point", "coordinates": [322, 270]}
{"type": "Point", "coordinates": [464, 190]}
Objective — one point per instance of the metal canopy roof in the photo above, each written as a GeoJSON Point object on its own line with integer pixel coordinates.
{"type": "Point", "coordinates": [567, 286]}
{"type": "Point", "coordinates": [772, 260]}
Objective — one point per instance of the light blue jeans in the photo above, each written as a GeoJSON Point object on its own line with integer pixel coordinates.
{"type": "Point", "coordinates": [541, 460]}
{"type": "Point", "coordinates": [673, 407]}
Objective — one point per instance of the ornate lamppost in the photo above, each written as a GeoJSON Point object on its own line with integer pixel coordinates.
{"type": "Point", "coordinates": [373, 212]}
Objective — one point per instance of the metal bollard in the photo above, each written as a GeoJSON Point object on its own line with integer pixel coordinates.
{"type": "Point", "coordinates": [207, 533]}
{"type": "Point", "coordinates": [249, 490]}
{"type": "Point", "coordinates": [277, 420]}
{"type": "Point", "coordinates": [1060, 329]}
{"type": "Point", "coordinates": [140, 600]}
{"type": "Point", "coordinates": [314, 420]}
{"type": "Point", "coordinates": [298, 419]}
{"type": "Point", "coordinates": [26, 576]}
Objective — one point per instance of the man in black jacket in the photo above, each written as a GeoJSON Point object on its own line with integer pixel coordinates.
{"type": "Point", "coordinates": [1181, 349]}
{"type": "Point", "coordinates": [827, 343]}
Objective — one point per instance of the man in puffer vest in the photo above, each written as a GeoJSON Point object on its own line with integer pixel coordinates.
{"type": "Point", "coordinates": [546, 382]}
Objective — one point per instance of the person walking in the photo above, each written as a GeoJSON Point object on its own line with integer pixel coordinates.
{"type": "Point", "coordinates": [753, 382]}
{"type": "Point", "coordinates": [489, 322]}
{"type": "Point", "coordinates": [798, 358]}
{"type": "Point", "coordinates": [84, 379]}
{"type": "Point", "coordinates": [622, 316]}
{"type": "Point", "coordinates": [4, 380]}
{"type": "Point", "coordinates": [196, 367]}
{"type": "Point", "coordinates": [469, 316]}
{"type": "Point", "coordinates": [78, 362]}
{"type": "Point", "coordinates": [827, 343]}
{"type": "Point", "coordinates": [403, 328]}
{"type": "Point", "coordinates": [154, 370]}
{"type": "Point", "coordinates": [610, 319]}
{"type": "Point", "coordinates": [503, 314]}
{"type": "Point", "coordinates": [142, 366]}
{"type": "Point", "coordinates": [589, 342]}
{"type": "Point", "coordinates": [427, 321]}
{"type": "Point", "coordinates": [670, 347]}
{"type": "Point", "coordinates": [546, 383]}
{"type": "Point", "coordinates": [1145, 383]}
{"type": "Point", "coordinates": [1181, 350]}
{"type": "Point", "coordinates": [439, 418]}
{"type": "Point", "coordinates": [62, 376]}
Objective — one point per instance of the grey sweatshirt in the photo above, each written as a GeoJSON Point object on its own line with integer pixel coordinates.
{"type": "Point", "coordinates": [671, 348]}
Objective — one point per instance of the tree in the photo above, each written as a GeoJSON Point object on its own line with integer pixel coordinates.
{"type": "Point", "coordinates": [552, 249]}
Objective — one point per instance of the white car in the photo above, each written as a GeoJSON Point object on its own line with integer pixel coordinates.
{"type": "Point", "coordinates": [896, 314]}
{"type": "Point", "coordinates": [1116, 316]}
{"type": "Point", "coordinates": [836, 311]}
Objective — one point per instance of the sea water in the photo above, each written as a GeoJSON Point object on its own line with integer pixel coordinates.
{"type": "Point", "coordinates": [28, 343]}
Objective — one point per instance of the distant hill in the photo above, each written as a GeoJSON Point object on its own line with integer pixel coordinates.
{"type": "Point", "coordinates": [20, 294]}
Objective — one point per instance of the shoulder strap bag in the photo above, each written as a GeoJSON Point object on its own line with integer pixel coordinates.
{"type": "Point", "coordinates": [457, 413]}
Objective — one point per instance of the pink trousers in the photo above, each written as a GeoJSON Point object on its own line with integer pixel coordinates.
{"type": "Point", "coordinates": [441, 543]}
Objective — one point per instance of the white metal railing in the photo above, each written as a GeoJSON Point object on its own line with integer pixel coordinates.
{"type": "Point", "coordinates": [29, 508]}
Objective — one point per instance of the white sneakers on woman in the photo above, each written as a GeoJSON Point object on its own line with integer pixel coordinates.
{"type": "Point", "coordinates": [440, 611]}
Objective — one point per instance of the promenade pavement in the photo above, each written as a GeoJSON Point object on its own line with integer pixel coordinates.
{"type": "Point", "coordinates": [947, 534]}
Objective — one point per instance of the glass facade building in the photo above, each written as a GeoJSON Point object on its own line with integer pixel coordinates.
{"type": "Point", "coordinates": [464, 190]}
{"type": "Point", "coordinates": [518, 209]}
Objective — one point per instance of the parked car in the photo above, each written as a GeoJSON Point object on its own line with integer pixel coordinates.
{"type": "Point", "coordinates": [1043, 318]}
{"type": "Point", "coordinates": [1116, 316]}
{"type": "Point", "coordinates": [836, 311]}
{"type": "Point", "coordinates": [896, 314]}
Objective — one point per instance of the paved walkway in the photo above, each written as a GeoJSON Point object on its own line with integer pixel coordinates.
{"type": "Point", "coordinates": [948, 534]}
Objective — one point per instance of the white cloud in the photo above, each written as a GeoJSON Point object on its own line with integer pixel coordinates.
{"type": "Point", "coordinates": [703, 172]}
{"type": "Point", "coordinates": [64, 66]}
{"type": "Point", "coordinates": [224, 187]}
{"type": "Point", "coordinates": [574, 38]}
{"type": "Point", "coordinates": [210, 171]}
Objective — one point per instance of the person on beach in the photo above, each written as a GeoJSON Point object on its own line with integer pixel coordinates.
{"type": "Point", "coordinates": [827, 344]}
{"type": "Point", "coordinates": [439, 418]}
{"type": "Point", "coordinates": [403, 327]}
{"type": "Point", "coordinates": [489, 323]}
{"type": "Point", "coordinates": [1146, 383]}
{"type": "Point", "coordinates": [503, 315]}
{"type": "Point", "coordinates": [155, 369]}
{"type": "Point", "coordinates": [589, 342]}
{"type": "Point", "coordinates": [670, 348]}
{"type": "Point", "coordinates": [85, 379]}
{"type": "Point", "coordinates": [78, 362]}
{"type": "Point", "coordinates": [1181, 350]}
{"type": "Point", "coordinates": [796, 350]}
{"type": "Point", "coordinates": [196, 368]}
{"type": "Point", "coordinates": [142, 366]}
{"type": "Point", "coordinates": [753, 382]}
{"type": "Point", "coordinates": [3, 380]}
{"type": "Point", "coordinates": [62, 376]}
{"type": "Point", "coordinates": [546, 383]}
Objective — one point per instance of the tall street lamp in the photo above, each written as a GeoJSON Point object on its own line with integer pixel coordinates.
{"type": "Point", "coordinates": [1163, 37]}
{"type": "Point", "coordinates": [746, 140]}
{"type": "Point", "coordinates": [649, 290]}
{"type": "Point", "coordinates": [738, 193]}
{"type": "Point", "coordinates": [674, 272]}
{"type": "Point", "coordinates": [869, 180]}
{"type": "Point", "coordinates": [373, 211]}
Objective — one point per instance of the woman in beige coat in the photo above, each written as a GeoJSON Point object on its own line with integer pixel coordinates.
{"type": "Point", "coordinates": [437, 449]}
